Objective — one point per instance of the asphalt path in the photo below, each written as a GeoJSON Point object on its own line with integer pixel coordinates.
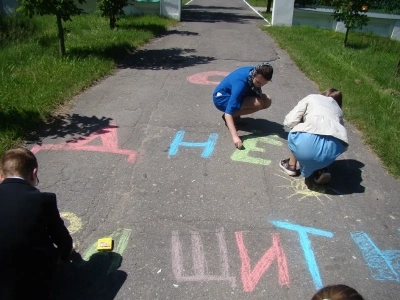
{"type": "Point", "coordinates": [143, 157]}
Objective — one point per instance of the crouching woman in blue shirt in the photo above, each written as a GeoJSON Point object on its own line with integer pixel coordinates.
{"type": "Point", "coordinates": [240, 94]}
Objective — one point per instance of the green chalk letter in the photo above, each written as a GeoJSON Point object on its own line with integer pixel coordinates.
{"type": "Point", "coordinates": [250, 144]}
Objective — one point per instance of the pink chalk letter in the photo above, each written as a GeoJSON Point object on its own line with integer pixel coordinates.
{"type": "Point", "coordinates": [251, 278]}
{"type": "Point", "coordinates": [109, 139]}
{"type": "Point", "coordinates": [199, 263]}
{"type": "Point", "coordinates": [202, 78]}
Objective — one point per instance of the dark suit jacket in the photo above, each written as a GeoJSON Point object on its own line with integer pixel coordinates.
{"type": "Point", "coordinates": [30, 226]}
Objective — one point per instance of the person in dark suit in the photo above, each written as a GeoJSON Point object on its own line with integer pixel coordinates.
{"type": "Point", "coordinates": [33, 236]}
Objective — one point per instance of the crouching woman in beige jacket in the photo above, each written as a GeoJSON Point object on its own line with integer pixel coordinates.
{"type": "Point", "coordinates": [317, 136]}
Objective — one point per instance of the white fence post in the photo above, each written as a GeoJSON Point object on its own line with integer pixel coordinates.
{"type": "Point", "coordinates": [282, 12]}
{"type": "Point", "coordinates": [171, 9]}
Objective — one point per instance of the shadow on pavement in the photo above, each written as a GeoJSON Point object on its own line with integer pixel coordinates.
{"type": "Point", "coordinates": [195, 13]}
{"type": "Point", "coordinates": [263, 127]}
{"type": "Point", "coordinates": [158, 30]}
{"type": "Point", "coordinates": [164, 59]}
{"type": "Point", "coordinates": [68, 125]}
{"type": "Point", "coordinates": [98, 278]}
{"type": "Point", "coordinates": [346, 177]}
{"type": "Point", "coordinates": [191, 6]}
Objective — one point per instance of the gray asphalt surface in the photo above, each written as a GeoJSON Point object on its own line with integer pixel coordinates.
{"type": "Point", "coordinates": [195, 218]}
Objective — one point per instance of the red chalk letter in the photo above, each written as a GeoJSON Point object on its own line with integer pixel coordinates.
{"type": "Point", "coordinates": [109, 139]}
{"type": "Point", "coordinates": [203, 78]}
{"type": "Point", "coordinates": [251, 278]}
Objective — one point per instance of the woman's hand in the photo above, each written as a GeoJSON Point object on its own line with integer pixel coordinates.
{"type": "Point", "coordinates": [231, 126]}
{"type": "Point", "coordinates": [238, 142]}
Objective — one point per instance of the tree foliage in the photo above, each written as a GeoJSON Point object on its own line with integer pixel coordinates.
{"type": "Point", "coordinates": [112, 9]}
{"type": "Point", "coordinates": [62, 9]}
{"type": "Point", "coordinates": [351, 13]}
{"type": "Point", "coordinates": [388, 6]}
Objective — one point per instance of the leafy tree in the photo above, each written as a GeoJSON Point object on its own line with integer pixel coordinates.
{"type": "Point", "coordinates": [389, 6]}
{"type": "Point", "coordinates": [350, 12]}
{"type": "Point", "coordinates": [112, 9]}
{"type": "Point", "coordinates": [62, 9]}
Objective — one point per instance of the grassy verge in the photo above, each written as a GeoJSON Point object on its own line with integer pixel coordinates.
{"type": "Point", "coordinates": [258, 3]}
{"type": "Point", "coordinates": [35, 80]}
{"type": "Point", "coordinates": [266, 15]}
{"type": "Point", "coordinates": [261, 3]}
{"type": "Point", "coordinates": [363, 71]}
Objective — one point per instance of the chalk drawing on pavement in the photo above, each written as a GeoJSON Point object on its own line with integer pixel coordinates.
{"type": "Point", "coordinates": [305, 243]}
{"type": "Point", "coordinates": [203, 78]}
{"type": "Point", "coordinates": [250, 278]}
{"type": "Point", "coordinates": [251, 144]}
{"type": "Point", "coordinates": [208, 146]}
{"type": "Point", "coordinates": [199, 262]}
{"type": "Point", "coordinates": [298, 187]}
{"type": "Point", "coordinates": [121, 239]}
{"type": "Point", "coordinates": [384, 265]}
{"type": "Point", "coordinates": [108, 136]}
{"type": "Point", "coordinates": [74, 222]}
{"type": "Point", "coordinates": [120, 236]}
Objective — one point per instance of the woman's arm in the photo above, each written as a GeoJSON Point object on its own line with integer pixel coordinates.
{"type": "Point", "coordinates": [295, 116]}
{"type": "Point", "coordinates": [232, 129]}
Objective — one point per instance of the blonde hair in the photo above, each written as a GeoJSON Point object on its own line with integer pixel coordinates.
{"type": "Point", "coordinates": [18, 162]}
{"type": "Point", "coordinates": [337, 292]}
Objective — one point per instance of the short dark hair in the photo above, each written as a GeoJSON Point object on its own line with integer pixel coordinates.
{"type": "Point", "coordinates": [337, 292]}
{"type": "Point", "coordinates": [335, 94]}
{"type": "Point", "coordinates": [266, 71]}
{"type": "Point", "coordinates": [18, 162]}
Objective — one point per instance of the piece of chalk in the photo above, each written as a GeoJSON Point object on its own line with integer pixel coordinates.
{"type": "Point", "coordinates": [105, 244]}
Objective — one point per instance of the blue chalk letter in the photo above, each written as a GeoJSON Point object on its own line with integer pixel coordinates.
{"type": "Point", "coordinates": [208, 146]}
{"type": "Point", "coordinates": [383, 264]}
{"type": "Point", "coordinates": [307, 247]}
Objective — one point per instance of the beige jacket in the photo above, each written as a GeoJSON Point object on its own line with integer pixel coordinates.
{"type": "Point", "coordinates": [320, 115]}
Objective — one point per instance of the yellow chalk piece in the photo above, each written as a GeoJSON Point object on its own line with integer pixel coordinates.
{"type": "Point", "coordinates": [105, 244]}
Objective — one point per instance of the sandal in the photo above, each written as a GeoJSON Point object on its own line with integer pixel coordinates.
{"type": "Point", "coordinates": [289, 169]}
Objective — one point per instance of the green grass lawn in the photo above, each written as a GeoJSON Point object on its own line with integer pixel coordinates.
{"type": "Point", "coordinates": [257, 3]}
{"type": "Point", "coordinates": [364, 71]}
{"type": "Point", "coordinates": [35, 80]}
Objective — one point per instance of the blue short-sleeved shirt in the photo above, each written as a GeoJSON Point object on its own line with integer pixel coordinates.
{"type": "Point", "coordinates": [229, 94]}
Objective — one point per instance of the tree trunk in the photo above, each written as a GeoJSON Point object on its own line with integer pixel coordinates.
{"type": "Point", "coordinates": [346, 36]}
{"type": "Point", "coordinates": [269, 3]}
{"type": "Point", "coordinates": [61, 41]}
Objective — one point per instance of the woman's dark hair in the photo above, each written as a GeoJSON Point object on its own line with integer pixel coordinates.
{"type": "Point", "coordinates": [335, 94]}
{"type": "Point", "coordinates": [266, 71]}
{"type": "Point", "coordinates": [337, 292]}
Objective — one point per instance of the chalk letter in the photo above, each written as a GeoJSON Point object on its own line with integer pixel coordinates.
{"type": "Point", "coordinates": [208, 146]}
{"type": "Point", "coordinates": [123, 234]}
{"type": "Point", "coordinates": [307, 247]}
{"type": "Point", "coordinates": [250, 144]}
{"type": "Point", "coordinates": [199, 263]}
{"type": "Point", "coordinates": [383, 264]}
{"type": "Point", "coordinates": [109, 139]}
{"type": "Point", "coordinates": [251, 278]}
{"type": "Point", "coordinates": [203, 78]}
